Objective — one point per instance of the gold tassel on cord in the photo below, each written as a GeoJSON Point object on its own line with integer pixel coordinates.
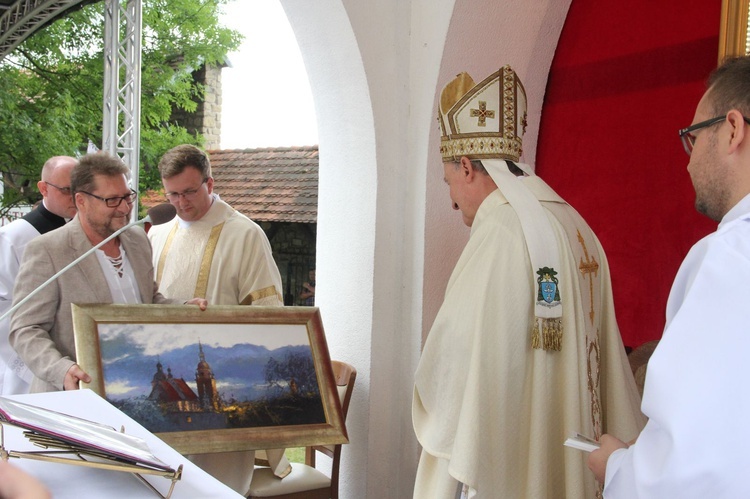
{"type": "Point", "coordinates": [551, 334]}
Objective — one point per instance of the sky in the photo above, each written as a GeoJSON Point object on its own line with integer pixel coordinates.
{"type": "Point", "coordinates": [237, 353]}
{"type": "Point", "coordinates": [266, 99]}
{"type": "Point", "coordinates": [150, 339]}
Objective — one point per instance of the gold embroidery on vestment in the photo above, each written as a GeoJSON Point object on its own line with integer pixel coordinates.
{"type": "Point", "coordinates": [588, 267]}
{"type": "Point", "coordinates": [260, 294]}
{"type": "Point", "coordinates": [593, 370]}
{"type": "Point", "coordinates": [164, 251]}
{"type": "Point", "coordinates": [201, 286]}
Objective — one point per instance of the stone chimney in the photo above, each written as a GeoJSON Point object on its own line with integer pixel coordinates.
{"type": "Point", "coordinates": [206, 120]}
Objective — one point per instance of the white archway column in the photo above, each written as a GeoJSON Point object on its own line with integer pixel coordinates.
{"type": "Point", "coordinates": [374, 105]}
{"type": "Point", "coordinates": [346, 208]}
{"type": "Point", "coordinates": [374, 69]}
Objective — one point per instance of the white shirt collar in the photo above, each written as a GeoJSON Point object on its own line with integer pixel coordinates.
{"type": "Point", "coordinates": [737, 211]}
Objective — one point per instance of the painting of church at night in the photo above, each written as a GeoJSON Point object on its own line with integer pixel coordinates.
{"type": "Point", "coordinates": [194, 384]}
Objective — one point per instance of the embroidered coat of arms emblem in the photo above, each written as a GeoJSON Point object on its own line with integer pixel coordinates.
{"type": "Point", "coordinates": [548, 292]}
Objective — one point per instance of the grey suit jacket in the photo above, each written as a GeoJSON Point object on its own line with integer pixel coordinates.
{"type": "Point", "coordinates": [42, 329]}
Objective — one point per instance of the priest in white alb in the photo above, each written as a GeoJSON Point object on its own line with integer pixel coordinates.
{"type": "Point", "coordinates": [211, 250]}
{"type": "Point", "coordinates": [695, 445]}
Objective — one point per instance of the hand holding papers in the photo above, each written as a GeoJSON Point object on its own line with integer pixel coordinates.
{"type": "Point", "coordinates": [582, 442]}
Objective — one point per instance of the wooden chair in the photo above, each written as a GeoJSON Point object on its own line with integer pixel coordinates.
{"type": "Point", "coordinates": [305, 481]}
{"type": "Point", "coordinates": [638, 359]}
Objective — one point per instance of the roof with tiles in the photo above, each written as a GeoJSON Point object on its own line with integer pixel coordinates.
{"type": "Point", "coordinates": [278, 184]}
{"type": "Point", "coordinates": [274, 184]}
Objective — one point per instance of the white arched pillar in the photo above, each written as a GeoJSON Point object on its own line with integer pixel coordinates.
{"type": "Point", "coordinates": [346, 207]}
{"type": "Point", "coordinates": [387, 239]}
{"type": "Point", "coordinates": [373, 145]}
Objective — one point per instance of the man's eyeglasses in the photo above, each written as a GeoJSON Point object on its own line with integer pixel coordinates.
{"type": "Point", "coordinates": [65, 191]}
{"type": "Point", "coordinates": [188, 194]}
{"type": "Point", "coordinates": [116, 201]}
{"type": "Point", "coordinates": [688, 137]}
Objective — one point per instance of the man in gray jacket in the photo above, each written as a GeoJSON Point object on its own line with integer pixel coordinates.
{"type": "Point", "coordinates": [118, 272]}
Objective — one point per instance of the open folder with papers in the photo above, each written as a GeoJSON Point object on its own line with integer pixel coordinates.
{"type": "Point", "coordinates": [104, 477]}
{"type": "Point", "coordinates": [72, 440]}
{"type": "Point", "coordinates": [84, 435]}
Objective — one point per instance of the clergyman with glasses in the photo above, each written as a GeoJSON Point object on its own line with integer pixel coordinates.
{"type": "Point", "coordinates": [696, 395]}
{"type": "Point", "coordinates": [211, 249]}
{"type": "Point", "coordinates": [55, 209]}
{"type": "Point", "coordinates": [41, 330]}
{"type": "Point", "coordinates": [214, 251]}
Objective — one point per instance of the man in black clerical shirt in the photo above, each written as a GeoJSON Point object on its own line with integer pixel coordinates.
{"type": "Point", "coordinates": [55, 209]}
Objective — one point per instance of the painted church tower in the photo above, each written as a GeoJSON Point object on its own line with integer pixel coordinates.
{"type": "Point", "coordinates": [208, 396]}
{"type": "Point", "coordinates": [159, 374]}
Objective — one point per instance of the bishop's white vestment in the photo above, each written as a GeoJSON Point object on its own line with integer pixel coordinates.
{"type": "Point", "coordinates": [490, 411]}
{"type": "Point", "coordinates": [696, 395]}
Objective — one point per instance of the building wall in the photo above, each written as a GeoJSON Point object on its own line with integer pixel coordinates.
{"type": "Point", "coordinates": [387, 237]}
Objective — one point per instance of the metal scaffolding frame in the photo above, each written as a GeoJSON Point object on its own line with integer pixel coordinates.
{"type": "Point", "coordinates": [121, 133]}
{"type": "Point", "coordinates": [23, 18]}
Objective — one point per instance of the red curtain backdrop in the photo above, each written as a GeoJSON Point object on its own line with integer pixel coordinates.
{"type": "Point", "coordinates": [625, 77]}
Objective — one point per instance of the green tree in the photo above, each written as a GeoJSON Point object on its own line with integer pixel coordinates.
{"type": "Point", "coordinates": [51, 87]}
{"type": "Point", "coordinates": [297, 366]}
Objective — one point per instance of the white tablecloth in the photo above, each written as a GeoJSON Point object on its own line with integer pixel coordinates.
{"type": "Point", "coordinates": [74, 482]}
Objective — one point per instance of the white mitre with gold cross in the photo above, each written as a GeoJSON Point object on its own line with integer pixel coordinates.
{"type": "Point", "coordinates": [486, 121]}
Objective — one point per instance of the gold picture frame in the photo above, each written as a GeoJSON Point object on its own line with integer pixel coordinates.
{"type": "Point", "coordinates": [733, 30]}
{"type": "Point", "coordinates": [206, 391]}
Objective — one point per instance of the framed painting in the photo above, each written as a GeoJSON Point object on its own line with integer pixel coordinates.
{"type": "Point", "coordinates": [229, 378]}
{"type": "Point", "coordinates": [733, 29]}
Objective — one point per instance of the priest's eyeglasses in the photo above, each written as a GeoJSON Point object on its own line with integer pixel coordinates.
{"type": "Point", "coordinates": [188, 194]}
{"type": "Point", "coordinates": [688, 137]}
{"type": "Point", "coordinates": [65, 191]}
{"type": "Point", "coordinates": [116, 201]}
